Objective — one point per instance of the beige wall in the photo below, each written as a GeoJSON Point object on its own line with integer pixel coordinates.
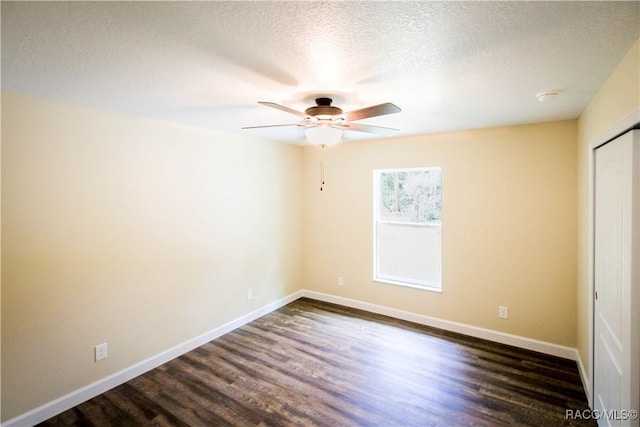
{"type": "Point", "coordinates": [509, 229]}
{"type": "Point", "coordinates": [617, 99]}
{"type": "Point", "coordinates": [134, 232]}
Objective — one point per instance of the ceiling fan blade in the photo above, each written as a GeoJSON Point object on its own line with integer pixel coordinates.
{"type": "Point", "coordinates": [283, 108]}
{"type": "Point", "coordinates": [273, 126]}
{"type": "Point", "coordinates": [378, 130]}
{"type": "Point", "coordinates": [375, 110]}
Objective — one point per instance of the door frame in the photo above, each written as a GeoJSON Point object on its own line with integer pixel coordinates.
{"type": "Point", "coordinates": [629, 122]}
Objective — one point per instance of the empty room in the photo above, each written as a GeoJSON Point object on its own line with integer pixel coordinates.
{"type": "Point", "coordinates": [320, 213]}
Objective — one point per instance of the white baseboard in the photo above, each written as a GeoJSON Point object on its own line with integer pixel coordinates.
{"type": "Point", "coordinates": [586, 383]}
{"type": "Point", "coordinates": [83, 394]}
{"type": "Point", "coordinates": [474, 331]}
{"type": "Point", "coordinates": [76, 397]}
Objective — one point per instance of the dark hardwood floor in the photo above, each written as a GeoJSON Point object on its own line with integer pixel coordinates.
{"type": "Point", "coordinates": [314, 363]}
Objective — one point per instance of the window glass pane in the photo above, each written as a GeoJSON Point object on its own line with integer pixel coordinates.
{"type": "Point", "coordinates": [410, 196]}
{"type": "Point", "coordinates": [409, 252]}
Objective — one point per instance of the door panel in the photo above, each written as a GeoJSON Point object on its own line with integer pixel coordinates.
{"type": "Point", "coordinates": [615, 365]}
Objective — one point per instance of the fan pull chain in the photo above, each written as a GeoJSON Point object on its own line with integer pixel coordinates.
{"type": "Point", "coordinates": [321, 167]}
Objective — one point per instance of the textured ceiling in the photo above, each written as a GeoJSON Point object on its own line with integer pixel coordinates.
{"type": "Point", "coordinates": [448, 65]}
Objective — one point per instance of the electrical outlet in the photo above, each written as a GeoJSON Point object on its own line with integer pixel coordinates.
{"type": "Point", "coordinates": [101, 352]}
{"type": "Point", "coordinates": [340, 281]}
{"type": "Point", "coordinates": [503, 312]}
{"type": "Point", "coordinates": [249, 294]}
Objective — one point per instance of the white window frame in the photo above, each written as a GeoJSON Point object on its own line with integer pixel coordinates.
{"type": "Point", "coordinates": [395, 280]}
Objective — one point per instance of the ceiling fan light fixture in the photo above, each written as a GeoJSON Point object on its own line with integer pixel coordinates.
{"type": "Point", "coordinates": [323, 135]}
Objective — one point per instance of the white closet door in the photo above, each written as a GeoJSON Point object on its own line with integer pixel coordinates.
{"type": "Point", "coordinates": [616, 299]}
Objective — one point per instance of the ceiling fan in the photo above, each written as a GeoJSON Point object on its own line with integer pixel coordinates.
{"type": "Point", "coordinates": [325, 123]}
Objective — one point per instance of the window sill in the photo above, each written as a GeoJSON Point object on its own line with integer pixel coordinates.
{"type": "Point", "coordinates": [429, 288]}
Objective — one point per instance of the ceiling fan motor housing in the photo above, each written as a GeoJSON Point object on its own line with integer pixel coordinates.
{"type": "Point", "coordinates": [323, 109]}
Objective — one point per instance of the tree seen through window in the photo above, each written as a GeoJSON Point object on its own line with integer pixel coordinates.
{"type": "Point", "coordinates": [411, 196]}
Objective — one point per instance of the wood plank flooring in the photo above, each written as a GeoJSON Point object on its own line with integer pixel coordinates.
{"type": "Point", "coordinates": [312, 363]}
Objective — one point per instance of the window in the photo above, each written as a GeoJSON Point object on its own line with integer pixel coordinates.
{"type": "Point", "coordinates": [407, 224]}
